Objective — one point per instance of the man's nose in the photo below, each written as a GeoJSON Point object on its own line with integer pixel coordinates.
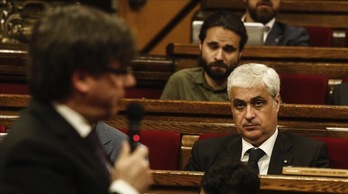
{"type": "Point", "coordinates": [219, 55]}
{"type": "Point", "coordinates": [249, 114]}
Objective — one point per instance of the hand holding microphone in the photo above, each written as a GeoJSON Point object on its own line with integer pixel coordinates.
{"type": "Point", "coordinates": [133, 167]}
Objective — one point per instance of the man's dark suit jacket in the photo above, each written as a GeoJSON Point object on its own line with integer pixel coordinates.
{"type": "Point", "coordinates": [44, 154]}
{"type": "Point", "coordinates": [285, 35]}
{"type": "Point", "coordinates": [289, 150]}
{"type": "Point", "coordinates": [340, 94]}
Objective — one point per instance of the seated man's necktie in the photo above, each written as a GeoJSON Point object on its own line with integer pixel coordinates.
{"type": "Point", "coordinates": [254, 157]}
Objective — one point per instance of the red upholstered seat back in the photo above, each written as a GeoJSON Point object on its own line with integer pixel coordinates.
{"type": "Point", "coordinates": [14, 88]}
{"type": "Point", "coordinates": [319, 36]}
{"type": "Point", "coordinates": [338, 151]}
{"type": "Point", "coordinates": [303, 89]}
{"type": "Point", "coordinates": [164, 148]}
{"type": "Point", "coordinates": [2, 129]}
{"type": "Point", "coordinates": [146, 93]}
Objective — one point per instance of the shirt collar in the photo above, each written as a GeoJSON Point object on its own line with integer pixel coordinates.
{"type": "Point", "coordinates": [267, 146]}
{"type": "Point", "coordinates": [75, 119]}
{"type": "Point", "coordinates": [270, 24]}
{"type": "Point", "coordinates": [268, 28]}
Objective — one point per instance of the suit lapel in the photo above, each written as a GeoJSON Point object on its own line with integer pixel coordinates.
{"type": "Point", "coordinates": [75, 144]}
{"type": "Point", "coordinates": [104, 136]}
{"type": "Point", "coordinates": [233, 148]}
{"type": "Point", "coordinates": [281, 155]}
{"type": "Point", "coordinates": [275, 35]}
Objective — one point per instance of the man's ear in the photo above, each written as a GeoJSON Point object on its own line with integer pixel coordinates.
{"type": "Point", "coordinates": [81, 81]}
{"type": "Point", "coordinates": [240, 55]}
{"type": "Point", "coordinates": [277, 101]}
{"type": "Point", "coordinates": [200, 47]}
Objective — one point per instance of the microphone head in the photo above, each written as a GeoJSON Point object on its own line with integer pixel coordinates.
{"type": "Point", "coordinates": [135, 111]}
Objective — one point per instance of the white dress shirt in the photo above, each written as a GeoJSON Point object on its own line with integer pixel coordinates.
{"type": "Point", "coordinates": [267, 147]}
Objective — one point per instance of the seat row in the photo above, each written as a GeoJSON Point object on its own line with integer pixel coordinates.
{"type": "Point", "coordinates": [170, 128]}
{"type": "Point", "coordinates": [324, 19]}
{"type": "Point", "coordinates": [307, 71]}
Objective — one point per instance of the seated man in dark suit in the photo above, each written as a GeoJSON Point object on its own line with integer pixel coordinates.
{"type": "Point", "coordinates": [230, 177]}
{"type": "Point", "coordinates": [340, 94]}
{"type": "Point", "coordinates": [254, 95]}
{"type": "Point", "coordinates": [277, 33]}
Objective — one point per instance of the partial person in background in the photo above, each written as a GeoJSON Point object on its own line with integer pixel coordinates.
{"type": "Point", "coordinates": [222, 39]}
{"type": "Point", "coordinates": [111, 138]}
{"type": "Point", "coordinates": [230, 177]}
{"type": "Point", "coordinates": [340, 94]}
{"type": "Point", "coordinates": [277, 33]}
{"type": "Point", "coordinates": [79, 58]}
{"type": "Point", "coordinates": [255, 101]}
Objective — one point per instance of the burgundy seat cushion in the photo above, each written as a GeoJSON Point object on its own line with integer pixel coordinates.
{"type": "Point", "coordinates": [303, 89]}
{"type": "Point", "coordinates": [319, 36]}
{"type": "Point", "coordinates": [2, 129]}
{"type": "Point", "coordinates": [146, 93]}
{"type": "Point", "coordinates": [164, 148]}
{"type": "Point", "coordinates": [338, 151]}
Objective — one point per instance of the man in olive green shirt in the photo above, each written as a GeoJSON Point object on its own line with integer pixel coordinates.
{"type": "Point", "coordinates": [222, 39]}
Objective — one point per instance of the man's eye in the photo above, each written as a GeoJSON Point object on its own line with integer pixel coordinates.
{"type": "Point", "coordinates": [258, 103]}
{"type": "Point", "coordinates": [229, 49]}
{"type": "Point", "coordinates": [239, 105]}
{"type": "Point", "coordinates": [213, 46]}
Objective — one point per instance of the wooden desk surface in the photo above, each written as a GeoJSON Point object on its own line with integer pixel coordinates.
{"type": "Point", "coordinates": [189, 181]}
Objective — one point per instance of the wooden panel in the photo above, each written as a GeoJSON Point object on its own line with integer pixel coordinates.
{"type": "Point", "coordinates": [168, 181]}
{"type": "Point", "coordinates": [152, 71]}
{"type": "Point", "coordinates": [192, 118]}
{"type": "Point", "coordinates": [195, 117]}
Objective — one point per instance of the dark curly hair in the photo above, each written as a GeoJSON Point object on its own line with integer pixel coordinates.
{"type": "Point", "coordinates": [228, 21]}
{"type": "Point", "coordinates": [230, 177]}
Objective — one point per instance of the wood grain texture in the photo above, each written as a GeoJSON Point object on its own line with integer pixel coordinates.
{"type": "Point", "coordinates": [294, 184]}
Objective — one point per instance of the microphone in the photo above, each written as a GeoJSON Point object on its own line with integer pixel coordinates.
{"type": "Point", "coordinates": [135, 112]}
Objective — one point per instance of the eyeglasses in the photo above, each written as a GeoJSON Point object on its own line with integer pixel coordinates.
{"type": "Point", "coordinates": [121, 72]}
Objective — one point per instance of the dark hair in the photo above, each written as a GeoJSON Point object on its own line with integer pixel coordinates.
{"type": "Point", "coordinates": [228, 21]}
{"type": "Point", "coordinates": [74, 38]}
{"type": "Point", "coordinates": [230, 177]}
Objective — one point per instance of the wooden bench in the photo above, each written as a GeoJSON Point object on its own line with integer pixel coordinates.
{"type": "Point", "coordinates": [326, 13]}
{"type": "Point", "coordinates": [152, 72]}
{"type": "Point", "coordinates": [322, 13]}
{"type": "Point", "coordinates": [192, 118]}
{"type": "Point", "coordinates": [173, 182]}
{"type": "Point", "coordinates": [332, 62]}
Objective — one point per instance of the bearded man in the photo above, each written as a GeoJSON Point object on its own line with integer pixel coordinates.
{"type": "Point", "coordinates": [276, 33]}
{"type": "Point", "coordinates": [222, 39]}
